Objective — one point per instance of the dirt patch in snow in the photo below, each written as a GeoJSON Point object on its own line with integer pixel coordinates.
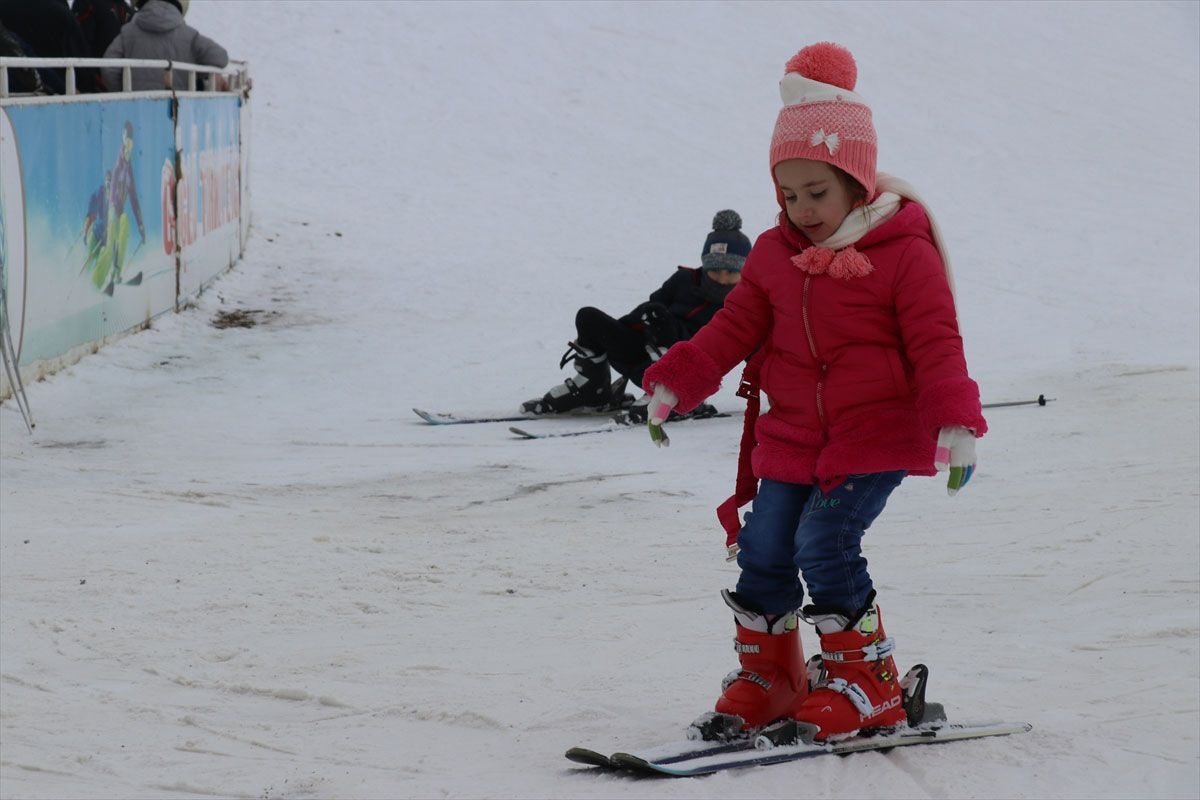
{"type": "Point", "coordinates": [241, 318]}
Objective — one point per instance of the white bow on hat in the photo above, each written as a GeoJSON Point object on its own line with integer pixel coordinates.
{"type": "Point", "coordinates": [830, 140]}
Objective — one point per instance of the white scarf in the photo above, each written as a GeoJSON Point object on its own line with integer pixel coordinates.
{"type": "Point", "coordinates": [862, 220]}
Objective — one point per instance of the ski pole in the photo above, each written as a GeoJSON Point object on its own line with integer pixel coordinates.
{"type": "Point", "coordinates": [71, 249]}
{"type": "Point", "coordinates": [1041, 401]}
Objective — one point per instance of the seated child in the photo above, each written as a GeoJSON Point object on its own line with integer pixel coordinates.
{"type": "Point", "coordinates": [674, 313]}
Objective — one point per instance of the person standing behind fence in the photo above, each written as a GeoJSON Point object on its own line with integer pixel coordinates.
{"type": "Point", "coordinates": [158, 31]}
{"type": "Point", "coordinates": [20, 81]}
{"type": "Point", "coordinates": [101, 21]}
{"type": "Point", "coordinates": [49, 30]}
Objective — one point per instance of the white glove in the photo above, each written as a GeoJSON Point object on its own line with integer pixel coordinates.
{"type": "Point", "coordinates": [955, 452]}
{"type": "Point", "coordinates": [662, 400]}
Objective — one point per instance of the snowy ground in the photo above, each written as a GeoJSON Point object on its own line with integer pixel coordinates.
{"type": "Point", "coordinates": [232, 562]}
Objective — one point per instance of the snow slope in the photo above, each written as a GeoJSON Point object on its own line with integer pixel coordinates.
{"type": "Point", "coordinates": [233, 563]}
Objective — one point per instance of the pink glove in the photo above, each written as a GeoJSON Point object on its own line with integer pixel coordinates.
{"type": "Point", "coordinates": [662, 400]}
{"type": "Point", "coordinates": [955, 452]}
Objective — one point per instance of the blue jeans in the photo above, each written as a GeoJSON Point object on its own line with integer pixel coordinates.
{"type": "Point", "coordinates": [795, 529]}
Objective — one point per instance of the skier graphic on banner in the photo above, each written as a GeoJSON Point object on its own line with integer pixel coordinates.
{"type": "Point", "coordinates": [95, 224]}
{"type": "Point", "coordinates": [111, 258]}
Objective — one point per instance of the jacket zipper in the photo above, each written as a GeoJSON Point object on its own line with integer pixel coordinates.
{"type": "Point", "coordinates": [812, 348]}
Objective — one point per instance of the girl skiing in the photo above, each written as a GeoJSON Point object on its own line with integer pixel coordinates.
{"type": "Point", "coordinates": [850, 306]}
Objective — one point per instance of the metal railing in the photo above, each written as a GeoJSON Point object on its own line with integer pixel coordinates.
{"type": "Point", "coordinates": [237, 78]}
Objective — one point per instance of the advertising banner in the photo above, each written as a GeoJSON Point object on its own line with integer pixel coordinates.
{"type": "Point", "coordinates": [92, 251]}
{"type": "Point", "coordinates": [209, 191]}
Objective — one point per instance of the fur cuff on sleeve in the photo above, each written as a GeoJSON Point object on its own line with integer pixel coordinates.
{"type": "Point", "coordinates": [687, 371]}
{"type": "Point", "coordinates": [949, 402]}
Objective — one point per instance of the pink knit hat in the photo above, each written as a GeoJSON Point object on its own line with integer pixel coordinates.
{"type": "Point", "coordinates": [822, 118]}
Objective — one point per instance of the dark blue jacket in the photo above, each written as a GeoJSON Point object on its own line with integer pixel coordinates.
{"type": "Point", "coordinates": [688, 307]}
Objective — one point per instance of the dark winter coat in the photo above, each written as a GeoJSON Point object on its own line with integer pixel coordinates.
{"type": "Point", "coordinates": [684, 301]}
{"type": "Point", "coordinates": [159, 32]}
{"type": "Point", "coordinates": [20, 81]}
{"type": "Point", "coordinates": [862, 370]}
{"type": "Point", "coordinates": [101, 21]}
{"type": "Point", "coordinates": [49, 29]}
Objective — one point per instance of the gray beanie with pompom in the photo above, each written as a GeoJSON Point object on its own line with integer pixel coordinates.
{"type": "Point", "coordinates": [726, 247]}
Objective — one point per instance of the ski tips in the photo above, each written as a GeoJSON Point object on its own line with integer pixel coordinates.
{"type": "Point", "coordinates": [582, 755]}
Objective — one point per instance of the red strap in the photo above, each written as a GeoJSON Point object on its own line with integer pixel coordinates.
{"type": "Point", "coordinates": [746, 487]}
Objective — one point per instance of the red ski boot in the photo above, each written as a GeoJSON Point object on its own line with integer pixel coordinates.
{"type": "Point", "coordinates": [772, 680]}
{"type": "Point", "coordinates": [861, 688]}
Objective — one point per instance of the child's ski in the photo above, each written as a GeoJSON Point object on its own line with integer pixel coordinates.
{"type": "Point", "coordinates": [709, 751]}
{"type": "Point", "coordinates": [621, 420]}
{"type": "Point", "coordinates": [675, 761]}
{"type": "Point", "coordinates": [709, 763]}
{"type": "Point", "coordinates": [521, 433]}
{"type": "Point", "coordinates": [443, 418]}
{"type": "Point", "coordinates": [435, 418]}
{"type": "Point", "coordinates": [665, 753]}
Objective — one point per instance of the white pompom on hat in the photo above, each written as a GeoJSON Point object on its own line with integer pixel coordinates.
{"type": "Point", "coordinates": [822, 119]}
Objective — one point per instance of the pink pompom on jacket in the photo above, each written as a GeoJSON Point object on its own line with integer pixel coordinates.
{"type": "Point", "coordinates": [861, 357]}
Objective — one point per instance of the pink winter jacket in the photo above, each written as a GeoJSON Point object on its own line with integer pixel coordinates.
{"type": "Point", "coordinates": [861, 372]}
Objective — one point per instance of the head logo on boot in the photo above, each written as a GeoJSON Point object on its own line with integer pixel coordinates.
{"type": "Point", "coordinates": [869, 622]}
